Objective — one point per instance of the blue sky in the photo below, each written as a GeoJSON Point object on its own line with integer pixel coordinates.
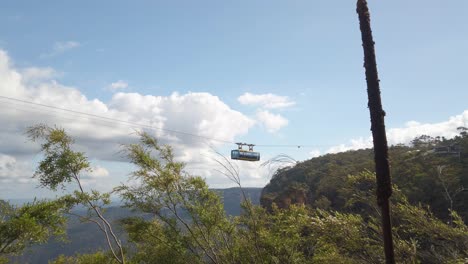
{"type": "Point", "coordinates": [304, 54]}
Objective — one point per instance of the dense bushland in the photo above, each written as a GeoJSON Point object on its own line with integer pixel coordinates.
{"type": "Point", "coordinates": [318, 214]}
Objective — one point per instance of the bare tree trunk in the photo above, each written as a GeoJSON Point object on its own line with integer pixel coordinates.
{"type": "Point", "coordinates": [384, 186]}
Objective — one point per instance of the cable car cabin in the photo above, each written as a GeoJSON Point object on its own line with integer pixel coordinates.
{"type": "Point", "coordinates": [238, 154]}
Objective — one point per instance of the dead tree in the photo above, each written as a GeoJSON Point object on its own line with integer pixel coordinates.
{"type": "Point", "coordinates": [382, 169]}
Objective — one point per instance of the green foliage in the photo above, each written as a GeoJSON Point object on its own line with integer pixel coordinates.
{"type": "Point", "coordinates": [29, 224]}
{"type": "Point", "coordinates": [436, 241]}
{"type": "Point", "coordinates": [323, 217]}
{"type": "Point", "coordinates": [157, 242]}
{"type": "Point", "coordinates": [189, 217]}
{"type": "Point", "coordinates": [190, 225]}
{"type": "Point", "coordinates": [300, 234]}
{"type": "Point", "coordinates": [62, 165]}
{"type": "Point", "coordinates": [418, 233]}
{"type": "Point", "coordinates": [413, 168]}
{"type": "Point", "coordinates": [94, 258]}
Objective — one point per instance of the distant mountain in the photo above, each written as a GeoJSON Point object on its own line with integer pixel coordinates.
{"type": "Point", "coordinates": [232, 198]}
{"type": "Point", "coordinates": [86, 237]}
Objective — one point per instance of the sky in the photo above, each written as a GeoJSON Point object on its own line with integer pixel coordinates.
{"type": "Point", "coordinates": [278, 74]}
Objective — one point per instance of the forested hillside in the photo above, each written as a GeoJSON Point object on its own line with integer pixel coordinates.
{"type": "Point", "coordinates": [181, 220]}
{"type": "Point", "coordinates": [431, 171]}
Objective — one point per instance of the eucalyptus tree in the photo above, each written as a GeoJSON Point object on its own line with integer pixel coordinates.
{"type": "Point", "coordinates": [31, 223]}
{"type": "Point", "coordinates": [64, 167]}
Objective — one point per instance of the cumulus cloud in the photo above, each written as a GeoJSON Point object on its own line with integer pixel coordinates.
{"type": "Point", "coordinates": [193, 113]}
{"type": "Point", "coordinates": [406, 134]}
{"type": "Point", "coordinates": [359, 143]}
{"type": "Point", "coordinates": [35, 74]}
{"type": "Point", "coordinates": [413, 129]}
{"type": "Point", "coordinates": [268, 101]}
{"type": "Point", "coordinates": [118, 85]}
{"type": "Point", "coordinates": [272, 122]}
{"type": "Point", "coordinates": [315, 153]}
{"type": "Point", "coordinates": [265, 102]}
{"type": "Point", "coordinates": [97, 172]}
{"type": "Point", "coordinates": [61, 47]}
{"type": "Point", "coordinates": [201, 114]}
{"type": "Point", "coordinates": [14, 171]}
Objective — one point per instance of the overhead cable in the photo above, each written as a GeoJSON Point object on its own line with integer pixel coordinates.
{"type": "Point", "coordinates": [124, 122]}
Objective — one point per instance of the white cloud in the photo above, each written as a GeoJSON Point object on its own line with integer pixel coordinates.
{"type": "Point", "coordinates": [201, 114]}
{"type": "Point", "coordinates": [272, 122]}
{"type": "Point", "coordinates": [35, 74]}
{"type": "Point", "coordinates": [359, 143]}
{"type": "Point", "coordinates": [97, 172]}
{"type": "Point", "coordinates": [314, 153]}
{"type": "Point", "coordinates": [118, 85]}
{"type": "Point", "coordinates": [406, 134]}
{"type": "Point", "coordinates": [413, 129]}
{"type": "Point", "coordinates": [14, 171]}
{"type": "Point", "coordinates": [268, 101]}
{"type": "Point", "coordinates": [196, 113]}
{"type": "Point", "coordinates": [61, 47]}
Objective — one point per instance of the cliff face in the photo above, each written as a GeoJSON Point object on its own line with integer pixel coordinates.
{"type": "Point", "coordinates": [285, 199]}
{"type": "Point", "coordinates": [319, 182]}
